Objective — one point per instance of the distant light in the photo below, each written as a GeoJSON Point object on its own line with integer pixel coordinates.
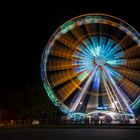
{"type": "Point", "coordinates": [81, 103]}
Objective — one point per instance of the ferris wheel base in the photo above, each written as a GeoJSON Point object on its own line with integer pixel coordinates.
{"type": "Point", "coordinates": [99, 117]}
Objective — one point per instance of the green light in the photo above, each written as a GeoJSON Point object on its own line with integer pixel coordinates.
{"type": "Point", "coordinates": [95, 19]}
{"type": "Point", "coordinates": [82, 76]}
{"type": "Point", "coordinates": [54, 98]}
{"type": "Point", "coordinates": [67, 26]}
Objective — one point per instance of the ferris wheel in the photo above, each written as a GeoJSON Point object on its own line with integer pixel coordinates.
{"type": "Point", "coordinates": [92, 62]}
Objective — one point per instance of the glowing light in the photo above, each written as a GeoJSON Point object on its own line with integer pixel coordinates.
{"type": "Point", "coordinates": [81, 103]}
{"type": "Point", "coordinates": [54, 99]}
{"type": "Point", "coordinates": [113, 72]}
{"type": "Point", "coordinates": [100, 60]}
{"type": "Point", "coordinates": [90, 19]}
{"type": "Point", "coordinates": [115, 62]}
{"type": "Point", "coordinates": [114, 104]}
{"type": "Point", "coordinates": [119, 92]}
{"type": "Point", "coordinates": [96, 80]}
{"type": "Point", "coordinates": [67, 26]}
{"type": "Point", "coordinates": [82, 76]}
{"type": "Point", "coordinates": [83, 61]}
{"type": "Point", "coordinates": [74, 106]}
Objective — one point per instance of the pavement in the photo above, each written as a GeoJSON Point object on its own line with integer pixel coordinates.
{"type": "Point", "coordinates": [69, 134]}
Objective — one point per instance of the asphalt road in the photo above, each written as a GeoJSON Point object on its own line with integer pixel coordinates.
{"type": "Point", "coordinates": [69, 134]}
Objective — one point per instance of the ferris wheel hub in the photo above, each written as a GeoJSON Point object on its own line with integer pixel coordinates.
{"type": "Point", "coordinates": [100, 60]}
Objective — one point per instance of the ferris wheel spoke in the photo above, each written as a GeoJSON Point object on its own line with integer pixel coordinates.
{"type": "Point", "coordinates": [62, 55]}
{"type": "Point", "coordinates": [96, 46]}
{"type": "Point", "coordinates": [127, 98]}
{"type": "Point", "coordinates": [68, 54]}
{"type": "Point", "coordinates": [82, 50]}
{"type": "Point", "coordinates": [63, 64]}
{"type": "Point", "coordinates": [102, 44]}
{"type": "Point", "coordinates": [83, 59]}
{"type": "Point", "coordinates": [60, 64]}
{"type": "Point", "coordinates": [117, 62]}
{"type": "Point", "coordinates": [118, 55]}
{"type": "Point", "coordinates": [96, 80]}
{"type": "Point", "coordinates": [67, 40]}
{"type": "Point", "coordinates": [95, 87]}
{"type": "Point", "coordinates": [118, 91]}
{"type": "Point", "coordinates": [133, 63]}
{"type": "Point", "coordinates": [90, 42]}
{"type": "Point", "coordinates": [112, 99]}
{"type": "Point", "coordinates": [113, 72]}
{"type": "Point", "coordinates": [86, 46]}
{"type": "Point", "coordinates": [115, 98]}
{"type": "Point", "coordinates": [61, 51]}
{"type": "Point", "coordinates": [114, 50]}
{"type": "Point", "coordinates": [80, 53]}
{"type": "Point", "coordinates": [108, 46]}
{"type": "Point", "coordinates": [132, 52]}
{"type": "Point", "coordinates": [60, 77]}
{"type": "Point", "coordinates": [84, 66]}
{"type": "Point", "coordinates": [115, 32]}
{"type": "Point", "coordinates": [90, 29]}
{"type": "Point", "coordinates": [61, 67]}
{"type": "Point", "coordinates": [65, 91]}
{"type": "Point", "coordinates": [126, 41]}
{"type": "Point", "coordinates": [130, 88]}
{"type": "Point", "coordinates": [130, 74]}
{"type": "Point", "coordinates": [90, 48]}
{"type": "Point", "coordinates": [78, 33]}
{"type": "Point", "coordinates": [82, 93]}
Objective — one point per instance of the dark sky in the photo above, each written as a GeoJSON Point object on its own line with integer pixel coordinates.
{"type": "Point", "coordinates": [26, 28]}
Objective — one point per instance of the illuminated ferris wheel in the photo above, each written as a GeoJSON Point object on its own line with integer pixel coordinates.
{"type": "Point", "coordinates": [92, 62]}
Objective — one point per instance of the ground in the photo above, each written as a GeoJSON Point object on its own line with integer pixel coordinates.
{"type": "Point", "coordinates": [69, 134]}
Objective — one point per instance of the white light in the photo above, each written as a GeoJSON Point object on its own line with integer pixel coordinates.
{"type": "Point", "coordinates": [113, 104]}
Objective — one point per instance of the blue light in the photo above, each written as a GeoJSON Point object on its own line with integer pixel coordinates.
{"type": "Point", "coordinates": [116, 62]}
{"type": "Point", "coordinates": [85, 65]}
{"type": "Point", "coordinates": [109, 45]}
{"type": "Point", "coordinates": [90, 47]}
{"type": "Point", "coordinates": [102, 44]}
{"type": "Point", "coordinates": [96, 81]}
{"type": "Point", "coordinates": [118, 55]}
{"type": "Point", "coordinates": [114, 49]}
{"type": "Point", "coordinates": [113, 72]}
{"type": "Point", "coordinates": [99, 51]}
{"type": "Point", "coordinates": [96, 45]}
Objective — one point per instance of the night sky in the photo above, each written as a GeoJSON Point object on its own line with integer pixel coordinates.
{"type": "Point", "coordinates": [27, 27]}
